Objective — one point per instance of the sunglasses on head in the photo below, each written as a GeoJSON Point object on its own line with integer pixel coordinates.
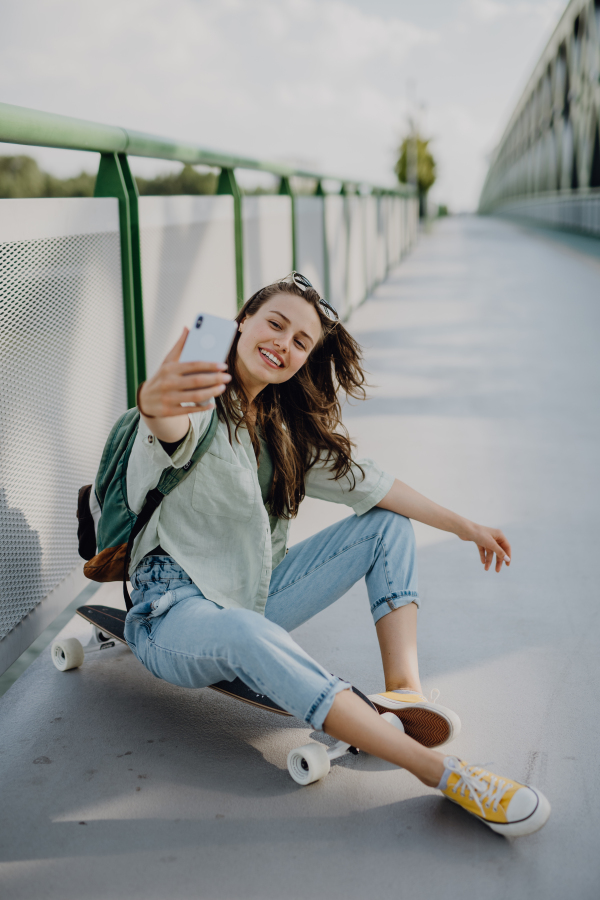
{"type": "Point", "coordinates": [303, 283]}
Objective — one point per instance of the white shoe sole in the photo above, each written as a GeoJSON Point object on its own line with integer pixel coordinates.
{"type": "Point", "coordinates": [429, 724]}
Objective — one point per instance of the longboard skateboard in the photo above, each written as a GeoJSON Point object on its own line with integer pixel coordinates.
{"type": "Point", "coordinates": [305, 764]}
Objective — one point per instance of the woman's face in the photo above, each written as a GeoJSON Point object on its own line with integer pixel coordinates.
{"type": "Point", "coordinates": [276, 341]}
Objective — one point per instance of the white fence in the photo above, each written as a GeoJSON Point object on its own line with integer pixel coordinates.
{"type": "Point", "coordinates": [188, 265]}
{"type": "Point", "coordinates": [62, 357]}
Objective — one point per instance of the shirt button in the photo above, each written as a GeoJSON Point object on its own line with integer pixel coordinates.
{"type": "Point", "coordinates": [150, 438]}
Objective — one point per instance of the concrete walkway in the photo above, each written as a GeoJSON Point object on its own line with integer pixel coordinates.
{"type": "Point", "coordinates": [484, 350]}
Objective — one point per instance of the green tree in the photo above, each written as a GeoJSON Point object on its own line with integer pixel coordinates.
{"type": "Point", "coordinates": [20, 176]}
{"type": "Point", "coordinates": [422, 161]}
{"type": "Point", "coordinates": [188, 181]}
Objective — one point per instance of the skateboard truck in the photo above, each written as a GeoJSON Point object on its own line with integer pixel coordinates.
{"type": "Point", "coordinates": [312, 762]}
{"type": "Point", "coordinates": [99, 641]}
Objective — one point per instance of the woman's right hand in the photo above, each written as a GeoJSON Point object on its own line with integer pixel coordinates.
{"type": "Point", "coordinates": [175, 383]}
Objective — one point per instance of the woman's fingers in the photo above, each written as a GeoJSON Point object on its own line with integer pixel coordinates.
{"type": "Point", "coordinates": [500, 556]}
{"type": "Point", "coordinates": [175, 368]}
{"type": "Point", "coordinates": [502, 550]}
{"type": "Point", "coordinates": [186, 383]}
{"type": "Point", "coordinates": [505, 547]}
{"type": "Point", "coordinates": [491, 541]}
{"type": "Point", "coordinates": [174, 354]}
{"type": "Point", "coordinates": [162, 397]}
{"type": "Point", "coordinates": [201, 396]}
{"type": "Point", "coordinates": [177, 402]}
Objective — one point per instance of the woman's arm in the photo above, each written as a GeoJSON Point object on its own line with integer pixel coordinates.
{"type": "Point", "coordinates": [405, 501]}
{"type": "Point", "coordinates": [160, 397]}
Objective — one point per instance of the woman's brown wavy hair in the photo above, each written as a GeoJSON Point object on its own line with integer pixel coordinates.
{"type": "Point", "coordinates": [300, 419]}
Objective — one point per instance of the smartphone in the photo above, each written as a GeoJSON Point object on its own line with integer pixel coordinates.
{"type": "Point", "coordinates": [209, 340]}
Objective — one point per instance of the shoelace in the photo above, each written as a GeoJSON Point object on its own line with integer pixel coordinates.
{"type": "Point", "coordinates": [482, 792]}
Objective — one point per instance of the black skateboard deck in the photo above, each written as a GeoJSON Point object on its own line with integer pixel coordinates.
{"type": "Point", "coordinates": [111, 623]}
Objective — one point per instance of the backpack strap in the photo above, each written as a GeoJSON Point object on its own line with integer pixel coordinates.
{"type": "Point", "coordinates": [169, 479]}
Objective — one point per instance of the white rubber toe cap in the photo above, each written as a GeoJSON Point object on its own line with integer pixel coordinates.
{"type": "Point", "coordinates": [528, 811]}
{"type": "Point", "coordinates": [523, 804]}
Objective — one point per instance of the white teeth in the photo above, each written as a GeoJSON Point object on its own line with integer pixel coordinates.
{"type": "Point", "coordinates": [271, 357]}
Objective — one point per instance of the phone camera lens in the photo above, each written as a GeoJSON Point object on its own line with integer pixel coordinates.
{"type": "Point", "coordinates": [199, 321]}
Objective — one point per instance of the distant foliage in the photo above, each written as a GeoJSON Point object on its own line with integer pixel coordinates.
{"type": "Point", "coordinates": [188, 181]}
{"type": "Point", "coordinates": [426, 166]}
{"type": "Point", "coordinates": [425, 162]}
{"type": "Point", "coordinates": [20, 176]}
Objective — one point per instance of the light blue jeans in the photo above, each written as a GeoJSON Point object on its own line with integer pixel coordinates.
{"type": "Point", "coordinates": [182, 637]}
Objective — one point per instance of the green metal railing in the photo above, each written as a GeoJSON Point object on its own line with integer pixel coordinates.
{"type": "Point", "coordinates": [27, 126]}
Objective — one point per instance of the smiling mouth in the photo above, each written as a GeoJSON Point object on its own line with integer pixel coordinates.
{"type": "Point", "coordinates": [270, 358]}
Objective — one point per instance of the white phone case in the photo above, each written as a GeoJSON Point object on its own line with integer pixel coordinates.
{"type": "Point", "coordinates": [209, 340]}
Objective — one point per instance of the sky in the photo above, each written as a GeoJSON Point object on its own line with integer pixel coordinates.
{"type": "Point", "coordinates": [326, 84]}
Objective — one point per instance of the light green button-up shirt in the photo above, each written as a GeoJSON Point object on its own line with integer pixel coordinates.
{"type": "Point", "coordinates": [214, 523]}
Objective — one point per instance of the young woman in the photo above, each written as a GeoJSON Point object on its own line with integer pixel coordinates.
{"type": "Point", "coordinates": [216, 592]}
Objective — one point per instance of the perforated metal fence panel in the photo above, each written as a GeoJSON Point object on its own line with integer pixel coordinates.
{"type": "Point", "coordinates": [370, 220]}
{"type": "Point", "coordinates": [267, 241]}
{"type": "Point", "coordinates": [395, 230]}
{"type": "Point", "coordinates": [188, 266]}
{"type": "Point", "coordinates": [381, 239]}
{"type": "Point", "coordinates": [310, 240]}
{"type": "Point", "coordinates": [62, 369]}
{"type": "Point", "coordinates": [336, 232]}
{"type": "Point", "coordinates": [357, 287]}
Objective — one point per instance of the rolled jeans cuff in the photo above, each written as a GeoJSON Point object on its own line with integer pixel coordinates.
{"type": "Point", "coordinates": [386, 605]}
{"type": "Point", "coordinates": [320, 709]}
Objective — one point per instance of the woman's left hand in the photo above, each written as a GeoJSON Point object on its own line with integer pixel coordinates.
{"type": "Point", "coordinates": [405, 501]}
{"type": "Point", "coordinates": [489, 541]}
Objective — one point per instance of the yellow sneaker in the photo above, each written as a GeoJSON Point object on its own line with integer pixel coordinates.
{"type": "Point", "coordinates": [423, 720]}
{"type": "Point", "coordinates": [505, 805]}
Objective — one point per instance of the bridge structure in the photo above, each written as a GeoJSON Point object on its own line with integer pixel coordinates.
{"type": "Point", "coordinates": [482, 352]}
{"type": "Point", "coordinates": [546, 167]}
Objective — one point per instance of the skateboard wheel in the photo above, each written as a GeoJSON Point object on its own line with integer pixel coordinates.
{"type": "Point", "coordinates": [393, 720]}
{"type": "Point", "coordinates": [67, 654]}
{"type": "Point", "coordinates": [309, 763]}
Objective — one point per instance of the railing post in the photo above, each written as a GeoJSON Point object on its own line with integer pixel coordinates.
{"type": "Point", "coordinates": [320, 192]}
{"type": "Point", "coordinates": [136, 265]}
{"type": "Point", "coordinates": [227, 184]}
{"type": "Point", "coordinates": [285, 188]}
{"type": "Point", "coordinates": [363, 218]}
{"type": "Point", "coordinates": [112, 182]}
{"type": "Point", "coordinates": [346, 190]}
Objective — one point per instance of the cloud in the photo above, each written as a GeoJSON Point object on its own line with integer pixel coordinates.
{"type": "Point", "coordinates": [268, 78]}
{"type": "Point", "coordinates": [318, 81]}
{"type": "Point", "coordinates": [546, 11]}
{"type": "Point", "coordinates": [488, 10]}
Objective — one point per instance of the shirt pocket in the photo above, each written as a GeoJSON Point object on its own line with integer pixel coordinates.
{"type": "Point", "coordinates": [223, 489]}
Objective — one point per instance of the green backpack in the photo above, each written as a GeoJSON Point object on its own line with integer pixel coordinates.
{"type": "Point", "coordinates": [107, 526]}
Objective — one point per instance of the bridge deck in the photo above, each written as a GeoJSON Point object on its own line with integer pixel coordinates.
{"type": "Point", "coordinates": [484, 349]}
